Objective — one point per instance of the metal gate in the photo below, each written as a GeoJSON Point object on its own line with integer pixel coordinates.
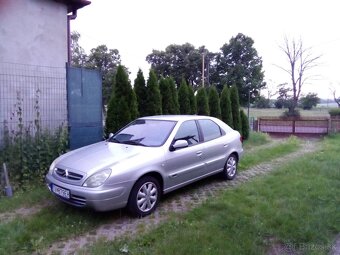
{"type": "Point", "coordinates": [84, 106]}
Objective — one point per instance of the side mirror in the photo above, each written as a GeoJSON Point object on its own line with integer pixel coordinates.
{"type": "Point", "coordinates": [179, 144]}
{"type": "Point", "coordinates": [110, 136]}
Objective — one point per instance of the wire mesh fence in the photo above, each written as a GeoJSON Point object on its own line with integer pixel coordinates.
{"type": "Point", "coordinates": [31, 98]}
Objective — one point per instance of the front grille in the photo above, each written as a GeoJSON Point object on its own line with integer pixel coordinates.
{"type": "Point", "coordinates": [64, 173]}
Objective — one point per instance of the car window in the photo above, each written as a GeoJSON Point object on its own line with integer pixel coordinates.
{"type": "Point", "coordinates": [188, 131]}
{"type": "Point", "coordinates": [145, 132]}
{"type": "Point", "coordinates": [210, 129]}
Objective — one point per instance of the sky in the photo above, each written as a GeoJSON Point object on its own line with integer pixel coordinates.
{"type": "Point", "coordinates": [136, 27]}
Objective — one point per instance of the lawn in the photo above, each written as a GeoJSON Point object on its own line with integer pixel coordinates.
{"type": "Point", "coordinates": [295, 208]}
{"type": "Point", "coordinates": [287, 207]}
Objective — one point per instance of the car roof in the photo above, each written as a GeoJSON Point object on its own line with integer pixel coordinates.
{"type": "Point", "coordinates": [176, 117]}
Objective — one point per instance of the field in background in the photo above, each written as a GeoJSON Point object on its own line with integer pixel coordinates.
{"type": "Point", "coordinates": [273, 112]}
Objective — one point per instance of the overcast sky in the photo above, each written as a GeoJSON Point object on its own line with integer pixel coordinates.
{"type": "Point", "coordinates": [136, 27]}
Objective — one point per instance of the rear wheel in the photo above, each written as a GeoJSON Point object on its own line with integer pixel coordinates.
{"type": "Point", "coordinates": [230, 168]}
{"type": "Point", "coordinates": [144, 196]}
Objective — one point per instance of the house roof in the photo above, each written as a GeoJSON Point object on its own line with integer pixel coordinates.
{"type": "Point", "coordinates": [73, 5]}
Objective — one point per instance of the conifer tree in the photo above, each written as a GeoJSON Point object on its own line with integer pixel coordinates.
{"type": "Point", "coordinates": [214, 103]}
{"type": "Point", "coordinates": [183, 98]}
{"type": "Point", "coordinates": [235, 108]}
{"type": "Point", "coordinates": [154, 103]}
{"type": "Point", "coordinates": [226, 106]}
{"type": "Point", "coordinates": [202, 102]}
{"type": "Point", "coordinates": [245, 125]}
{"type": "Point", "coordinates": [192, 100]}
{"type": "Point", "coordinates": [174, 107]}
{"type": "Point", "coordinates": [141, 94]}
{"type": "Point", "coordinates": [122, 105]}
{"type": "Point", "coordinates": [165, 91]}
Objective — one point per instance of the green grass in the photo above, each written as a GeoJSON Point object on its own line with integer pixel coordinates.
{"type": "Point", "coordinates": [61, 222]}
{"type": "Point", "coordinates": [296, 206]}
{"type": "Point", "coordinates": [33, 234]}
{"type": "Point", "coordinates": [24, 198]}
{"type": "Point", "coordinates": [264, 154]}
{"type": "Point", "coordinates": [256, 139]}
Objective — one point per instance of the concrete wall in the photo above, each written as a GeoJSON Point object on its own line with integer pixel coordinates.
{"type": "Point", "coordinates": [33, 32]}
{"type": "Point", "coordinates": [33, 53]}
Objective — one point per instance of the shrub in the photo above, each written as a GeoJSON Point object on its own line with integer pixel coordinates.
{"type": "Point", "coordinates": [28, 150]}
{"type": "Point", "coordinates": [245, 125]}
{"type": "Point", "coordinates": [334, 112]}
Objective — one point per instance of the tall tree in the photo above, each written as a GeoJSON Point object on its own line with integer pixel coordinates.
{"type": "Point", "coordinates": [239, 64]}
{"type": "Point", "coordinates": [122, 106]}
{"type": "Point", "coordinates": [300, 62]}
{"type": "Point", "coordinates": [336, 99]}
{"type": "Point", "coordinates": [214, 103]}
{"type": "Point", "coordinates": [192, 100]}
{"type": "Point", "coordinates": [164, 88]}
{"type": "Point", "coordinates": [174, 96]}
{"type": "Point", "coordinates": [235, 108]}
{"type": "Point", "coordinates": [202, 102]}
{"type": "Point", "coordinates": [183, 98]}
{"type": "Point", "coordinates": [78, 55]}
{"type": "Point", "coordinates": [180, 61]}
{"type": "Point", "coordinates": [106, 61]}
{"type": "Point", "coordinates": [154, 103]}
{"type": "Point", "coordinates": [141, 93]}
{"type": "Point", "coordinates": [225, 102]}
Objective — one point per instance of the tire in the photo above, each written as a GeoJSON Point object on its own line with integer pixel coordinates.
{"type": "Point", "coordinates": [144, 196]}
{"type": "Point", "coordinates": [230, 168]}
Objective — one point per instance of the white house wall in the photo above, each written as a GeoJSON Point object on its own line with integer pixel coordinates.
{"type": "Point", "coordinates": [33, 54]}
{"type": "Point", "coordinates": [33, 32]}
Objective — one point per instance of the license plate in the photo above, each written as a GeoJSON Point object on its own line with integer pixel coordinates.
{"type": "Point", "coordinates": [61, 192]}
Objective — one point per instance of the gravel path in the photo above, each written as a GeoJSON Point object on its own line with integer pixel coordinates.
{"type": "Point", "coordinates": [178, 201]}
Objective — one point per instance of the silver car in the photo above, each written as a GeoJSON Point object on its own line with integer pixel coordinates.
{"type": "Point", "coordinates": [149, 157]}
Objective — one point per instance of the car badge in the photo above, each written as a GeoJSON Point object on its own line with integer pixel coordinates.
{"type": "Point", "coordinates": [66, 173]}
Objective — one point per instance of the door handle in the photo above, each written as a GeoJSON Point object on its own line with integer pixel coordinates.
{"type": "Point", "coordinates": [199, 153]}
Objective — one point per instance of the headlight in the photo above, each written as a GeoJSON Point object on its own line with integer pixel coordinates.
{"type": "Point", "coordinates": [97, 179]}
{"type": "Point", "coordinates": [52, 167]}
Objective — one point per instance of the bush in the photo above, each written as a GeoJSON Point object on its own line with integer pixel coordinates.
{"type": "Point", "coordinates": [334, 112]}
{"type": "Point", "coordinates": [245, 125]}
{"type": "Point", "coordinates": [28, 150]}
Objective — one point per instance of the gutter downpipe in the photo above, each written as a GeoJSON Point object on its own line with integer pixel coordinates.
{"type": "Point", "coordinates": [70, 17]}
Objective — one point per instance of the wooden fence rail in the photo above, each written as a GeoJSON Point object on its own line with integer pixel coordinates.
{"type": "Point", "coordinates": [311, 125]}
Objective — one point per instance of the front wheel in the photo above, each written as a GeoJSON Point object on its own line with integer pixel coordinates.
{"type": "Point", "coordinates": [144, 196]}
{"type": "Point", "coordinates": [230, 168]}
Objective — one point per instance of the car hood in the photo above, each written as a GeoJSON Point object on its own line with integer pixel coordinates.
{"type": "Point", "coordinates": [99, 156]}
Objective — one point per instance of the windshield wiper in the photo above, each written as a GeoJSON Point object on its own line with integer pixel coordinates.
{"type": "Point", "coordinates": [114, 140]}
{"type": "Point", "coordinates": [133, 142]}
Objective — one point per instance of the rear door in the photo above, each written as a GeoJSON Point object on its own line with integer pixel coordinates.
{"type": "Point", "coordinates": [186, 164]}
{"type": "Point", "coordinates": [215, 145]}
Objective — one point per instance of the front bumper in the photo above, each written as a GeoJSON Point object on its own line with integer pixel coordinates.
{"type": "Point", "coordinates": [103, 198]}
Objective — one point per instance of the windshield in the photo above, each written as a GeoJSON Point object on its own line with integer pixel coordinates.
{"type": "Point", "coordinates": [145, 132]}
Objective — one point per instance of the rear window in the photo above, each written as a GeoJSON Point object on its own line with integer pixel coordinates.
{"type": "Point", "coordinates": [210, 130]}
